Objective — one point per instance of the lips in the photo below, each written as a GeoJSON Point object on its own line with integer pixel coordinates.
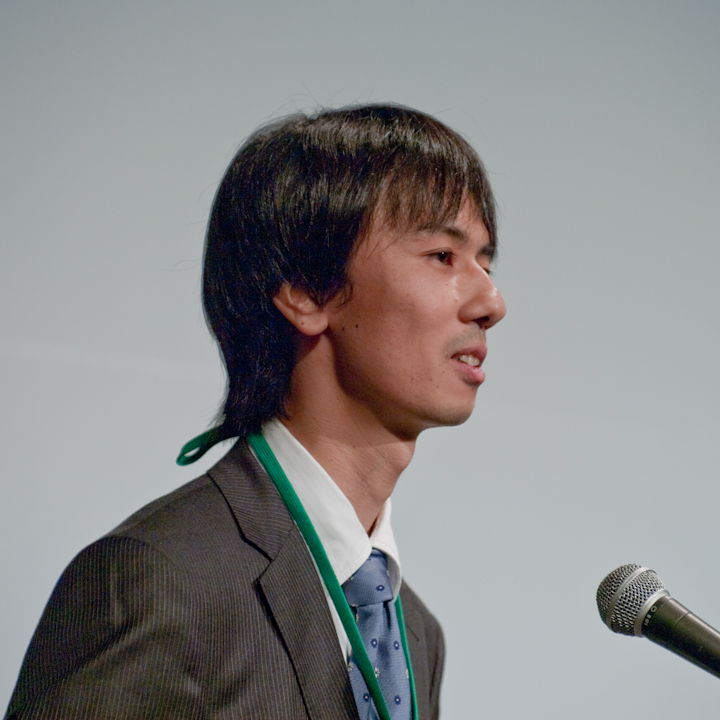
{"type": "Point", "coordinates": [468, 362]}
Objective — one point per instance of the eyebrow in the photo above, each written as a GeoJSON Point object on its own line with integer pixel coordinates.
{"type": "Point", "coordinates": [488, 250]}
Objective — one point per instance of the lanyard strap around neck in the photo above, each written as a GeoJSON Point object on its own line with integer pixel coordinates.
{"type": "Point", "coordinates": [266, 456]}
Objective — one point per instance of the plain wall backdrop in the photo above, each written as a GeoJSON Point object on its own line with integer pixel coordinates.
{"type": "Point", "coordinates": [594, 442]}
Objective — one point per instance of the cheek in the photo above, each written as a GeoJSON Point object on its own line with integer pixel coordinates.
{"type": "Point", "coordinates": [392, 316]}
{"type": "Point", "coordinates": [429, 309]}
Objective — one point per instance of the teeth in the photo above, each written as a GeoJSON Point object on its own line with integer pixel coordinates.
{"type": "Point", "coordinates": [469, 359]}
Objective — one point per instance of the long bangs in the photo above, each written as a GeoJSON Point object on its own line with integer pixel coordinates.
{"type": "Point", "coordinates": [429, 182]}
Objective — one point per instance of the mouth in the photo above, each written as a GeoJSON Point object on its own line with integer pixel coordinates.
{"type": "Point", "coordinates": [468, 362]}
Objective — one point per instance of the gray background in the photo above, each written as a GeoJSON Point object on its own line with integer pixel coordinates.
{"type": "Point", "coordinates": [594, 441]}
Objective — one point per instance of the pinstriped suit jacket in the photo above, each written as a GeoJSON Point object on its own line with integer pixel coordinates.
{"type": "Point", "coordinates": [204, 604]}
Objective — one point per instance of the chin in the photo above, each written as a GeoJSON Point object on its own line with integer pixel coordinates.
{"type": "Point", "coordinates": [449, 417]}
{"type": "Point", "coordinates": [458, 418]}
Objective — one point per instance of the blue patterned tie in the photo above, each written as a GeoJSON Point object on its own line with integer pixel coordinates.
{"type": "Point", "coordinates": [369, 594]}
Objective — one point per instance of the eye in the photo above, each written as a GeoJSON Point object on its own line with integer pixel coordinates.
{"type": "Point", "coordinates": [443, 256]}
{"type": "Point", "coordinates": [486, 265]}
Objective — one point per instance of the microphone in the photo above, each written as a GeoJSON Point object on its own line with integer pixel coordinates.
{"type": "Point", "coordinates": [632, 600]}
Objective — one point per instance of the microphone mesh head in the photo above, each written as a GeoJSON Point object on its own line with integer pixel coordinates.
{"type": "Point", "coordinates": [631, 599]}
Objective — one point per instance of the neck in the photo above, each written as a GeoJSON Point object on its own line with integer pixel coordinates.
{"type": "Point", "coordinates": [364, 462]}
{"type": "Point", "coordinates": [363, 453]}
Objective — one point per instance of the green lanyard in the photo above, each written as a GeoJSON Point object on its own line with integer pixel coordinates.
{"type": "Point", "coordinates": [288, 494]}
{"type": "Point", "coordinates": [198, 446]}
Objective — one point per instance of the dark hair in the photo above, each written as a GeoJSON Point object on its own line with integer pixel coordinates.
{"type": "Point", "coordinates": [294, 203]}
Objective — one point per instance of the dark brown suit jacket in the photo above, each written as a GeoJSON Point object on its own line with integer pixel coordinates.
{"type": "Point", "coordinates": [204, 604]}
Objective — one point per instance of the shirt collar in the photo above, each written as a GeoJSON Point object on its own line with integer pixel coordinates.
{"type": "Point", "coordinates": [346, 543]}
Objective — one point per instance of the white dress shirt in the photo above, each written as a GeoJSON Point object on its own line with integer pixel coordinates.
{"type": "Point", "coordinates": [346, 543]}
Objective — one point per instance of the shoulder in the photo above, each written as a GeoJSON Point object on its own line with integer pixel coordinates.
{"type": "Point", "coordinates": [209, 540]}
{"type": "Point", "coordinates": [183, 526]}
{"type": "Point", "coordinates": [233, 501]}
{"type": "Point", "coordinates": [162, 600]}
{"type": "Point", "coordinates": [174, 563]}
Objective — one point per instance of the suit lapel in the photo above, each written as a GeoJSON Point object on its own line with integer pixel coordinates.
{"type": "Point", "coordinates": [290, 584]}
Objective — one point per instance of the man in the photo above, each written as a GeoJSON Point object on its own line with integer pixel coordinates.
{"type": "Point", "coordinates": [347, 282]}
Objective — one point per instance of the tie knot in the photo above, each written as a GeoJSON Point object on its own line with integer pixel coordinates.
{"type": "Point", "coordinates": [371, 583]}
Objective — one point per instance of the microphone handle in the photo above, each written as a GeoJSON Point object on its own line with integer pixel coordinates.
{"type": "Point", "coordinates": [671, 625]}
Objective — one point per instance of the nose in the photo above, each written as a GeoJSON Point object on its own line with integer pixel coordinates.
{"type": "Point", "coordinates": [486, 306]}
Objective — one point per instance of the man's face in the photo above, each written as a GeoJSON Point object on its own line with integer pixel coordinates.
{"type": "Point", "coordinates": [409, 342]}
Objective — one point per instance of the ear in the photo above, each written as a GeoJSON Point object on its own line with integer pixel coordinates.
{"type": "Point", "coordinates": [301, 310]}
